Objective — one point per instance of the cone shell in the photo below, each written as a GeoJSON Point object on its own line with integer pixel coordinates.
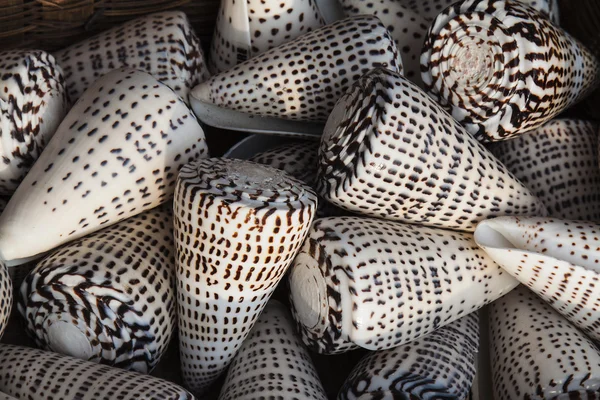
{"type": "Point", "coordinates": [33, 101]}
{"type": "Point", "coordinates": [502, 68]}
{"type": "Point", "coordinates": [238, 226]}
{"type": "Point", "coordinates": [439, 365]}
{"type": "Point", "coordinates": [302, 79]}
{"type": "Point", "coordinates": [557, 259]}
{"type": "Point", "coordinates": [33, 374]}
{"type": "Point", "coordinates": [389, 151]}
{"type": "Point", "coordinates": [115, 155]}
{"type": "Point", "coordinates": [380, 284]}
{"type": "Point", "coordinates": [272, 363]}
{"type": "Point", "coordinates": [161, 44]}
{"type": "Point", "coordinates": [536, 354]}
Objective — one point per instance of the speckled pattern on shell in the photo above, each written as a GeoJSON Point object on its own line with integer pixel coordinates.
{"type": "Point", "coordinates": [162, 44]}
{"type": "Point", "coordinates": [115, 155]}
{"type": "Point", "coordinates": [503, 69]}
{"type": "Point", "coordinates": [440, 365]}
{"type": "Point", "coordinates": [557, 259]}
{"type": "Point", "coordinates": [302, 79]}
{"type": "Point", "coordinates": [559, 163]}
{"type": "Point", "coordinates": [238, 226]}
{"type": "Point", "coordinates": [272, 363]}
{"type": "Point", "coordinates": [537, 355]}
{"type": "Point", "coordinates": [115, 287]}
{"type": "Point", "coordinates": [33, 374]}
{"type": "Point", "coordinates": [297, 159]}
{"type": "Point", "coordinates": [6, 297]}
{"type": "Point", "coordinates": [247, 28]}
{"type": "Point", "coordinates": [33, 101]}
{"type": "Point", "coordinates": [380, 284]}
{"type": "Point", "coordinates": [389, 151]}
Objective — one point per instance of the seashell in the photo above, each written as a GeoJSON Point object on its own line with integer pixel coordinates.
{"type": "Point", "coordinates": [162, 44]}
{"type": "Point", "coordinates": [427, 9]}
{"type": "Point", "coordinates": [548, 8]}
{"type": "Point", "coordinates": [6, 297]}
{"type": "Point", "coordinates": [380, 284]}
{"type": "Point", "coordinates": [33, 101]}
{"type": "Point", "coordinates": [272, 363]}
{"type": "Point", "coordinates": [557, 259]}
{"type": "Point", "coordinates": [502, 69]}
{"type": "Point", "coordinates": [245, 29]}
{"type": "Point", "coordinates": [297, 159]}
{"type": "Point", "coordinates": [440, 365]}
{"type": "Point", "coordinates": [108, 297]}
{"type": "Point", "coordinates": [559, 163]}
{"type": "Point", "coordinates": [331, 11]}
{"type": "Point", "coordinates": [5, 397]}
{"type": "Point", "coordinates": [389, 151]}
{"type": "Point", "coordinates": [115, 155]}
{"type": "Point", "coordinates": [536, 354]}
{"type": "Point", "coordinates": [33, 374]}
{"type": "Point", "coordinates": [238, 226]}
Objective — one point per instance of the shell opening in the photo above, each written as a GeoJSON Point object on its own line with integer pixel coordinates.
{"type": "Point", "coordinates": [493, 234]}
{"type": "Point", "coordinates": [309, 293]}
{"type": "Point", "coordinates": [66, 338]}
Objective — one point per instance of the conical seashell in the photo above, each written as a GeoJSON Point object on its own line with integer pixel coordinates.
{"type": "Point", "coordinates": [245, 29]}
{"type": "Point", "coordinates": [109, 297]}
{"type": "Point", "coordinates": [389, 151]}
{"type": "Point", "coordinates": [559, 163]}
{"type": "Point", "coordinates": [33, 374]}
{"type": "Point", "coordinates": [379, 284]}
{"type": "Point", "coordinates": [302, 79]}
{"type": "Point", "coordinates": [33, 102]}
{"type": "Point", "coordinates": [536, 354]}
{"type": "Point", "coordinates": [162, 44]}
{"type": "Point", "coordinates": [440, 365]}
{"type": "Point", "coordinates": [502, 69]}
{"type": "Point", "coordinates": [557, 259]}
{"type": "Point", "coordinates": [272, 363]}
{"type": "Point", "coordinates": [115, 155]}
{"type": "Point", "coordinates": [238, 226]}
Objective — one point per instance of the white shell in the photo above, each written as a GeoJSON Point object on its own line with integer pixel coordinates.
{"type": "Point", "coordinates": [238, 226]}
{"type": "Point", "coordinates": [379, 284]}
{"type": "Point", "coordinates": [116, 154]}
{"type": "Point", "coordinates": [557, 259]}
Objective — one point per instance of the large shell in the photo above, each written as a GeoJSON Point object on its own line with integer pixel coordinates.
{"type": "Point", "coordinates": [33, 102]}
{"type": "Point", "coordinates": [380, 284]}
{"type": "Point", "coordinates": [502, 69]}
{"type": "Point", "coordinates": [389, 151]}
{"type": "Point", "coordinates": [238, 226]}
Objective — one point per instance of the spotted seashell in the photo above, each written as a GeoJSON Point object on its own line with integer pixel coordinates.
{"type": "Point", "coordinates": [245, 29]}
{"type": "Point", "coordinates": [6, 397]}
{"type": "Point", "coordinates": [559, 163]}
{"type": "Point", "coordinates": [379, 284]}
{"type": "Point", "coordinates": [162, 44]}
{"type": "Point", "coordinates": [302, 79]}
{"type": "Point", "coordinates": [6, 297]}
{"type": "Point", "coordinates": [537, 355]}
{"type": "Point", "coordinates": [272, 363]}
{"type": "Point", "coordinates": [116, 154]}
{"type": "Point", "coordinates": [389, 151]}
{"type": "Point", "coordinates": [108, 297]}
{"type": "Point", "coordinates": [557, 259]}
{"type": "Point", "coordinates": [33, 101]}
{"type": "Point", "coordinates": [33, 374]}
{"type": "Point", "coordinates": [238, 226]}
{"type": "Point", "coordinates": [440, 365]}
{"type": "Point", "coordinates": [502, 69]}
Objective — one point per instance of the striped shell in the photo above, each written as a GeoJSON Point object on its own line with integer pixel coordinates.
{"type": "Point", "coordinates": [380, 284]}
{"type": "Point", "coordinates": [537, 355]}
{"type": "Point", "coordinates": [389, 151]}
{"type": "Point", "coordinates": [33, 101]}
{"type": "Point", "coordinates": [161, 44]}
{"type": "Point", "coordinates": [115, 155]}
{"type": "Point", "coordinates": [238, 226]}
{"type": "Point", "coordinates": [272, 363]}
{"type": "Point", "coordinates": [33, 374]}
{"type": "Point", "coordinates": [557, 259]}
{"type": "Point", "coordinates": [502, 69]}
{"type": "Point", "coordinates": [109, 297]}
{"type": "Point", "coordinates": [559, 163]}
{"type": "Point", "coordinates": [440, 365]}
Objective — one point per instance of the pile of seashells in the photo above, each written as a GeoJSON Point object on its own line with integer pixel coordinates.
{"type": "Point", "coordinates": [409, 212]}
